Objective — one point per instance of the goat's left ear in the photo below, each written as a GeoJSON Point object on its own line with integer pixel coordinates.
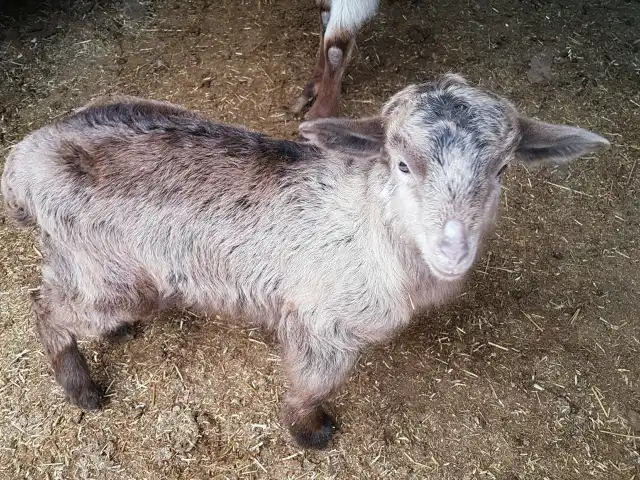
{"type": "Point", "coordinates": [362, 137]}
{"type": "Point", "coordinates": [556, 144]}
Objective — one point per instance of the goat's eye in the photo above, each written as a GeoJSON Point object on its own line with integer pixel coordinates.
{"type": "Point", "coordinates": [501, 171]}
{"type": "Point", "coordinates": [403, 167]}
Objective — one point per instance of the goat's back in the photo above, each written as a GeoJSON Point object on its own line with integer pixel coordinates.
{"type": "Point", "coordinates": [154, 155]}
{"type": "Point", "coordinates": [204, 210]}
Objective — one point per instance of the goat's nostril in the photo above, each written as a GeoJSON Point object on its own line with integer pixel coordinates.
{"type": "Point", "coordinates": [453, 244]}
{"type": "Point", "coordinates": [454, 230]}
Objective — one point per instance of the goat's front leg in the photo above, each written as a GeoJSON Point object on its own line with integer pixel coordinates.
{"type": "Point", "coordinates": [315, 369]}
{"type": "Point", "coordinates": [341, 20]}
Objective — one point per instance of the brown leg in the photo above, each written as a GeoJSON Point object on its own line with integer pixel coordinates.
{"type": "Point", "coordinates": [54, 324]}
{"type": "Point", "coordinates": [337, 52]}
{"type": "Point", "coordinates": [311, 88]}
{"type": "Point", "coordinates": [322, 92]}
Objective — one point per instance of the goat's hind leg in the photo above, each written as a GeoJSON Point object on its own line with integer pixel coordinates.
{"type": "Point", "coordinates": [57, 326]}
{"type": "Point", "coordinates": [310, 90]}
{"type": "Point", "coordinates": [60, 320]}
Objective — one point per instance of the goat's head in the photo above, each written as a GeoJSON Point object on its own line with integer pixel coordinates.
{"type": "Point", "coordinates": [447, 144]}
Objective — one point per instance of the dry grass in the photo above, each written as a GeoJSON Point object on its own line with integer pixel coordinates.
{"type": "Point", "coordinates": [532, 373]}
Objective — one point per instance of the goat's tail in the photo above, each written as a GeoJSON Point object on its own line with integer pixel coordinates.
{"type": "Point", "coordinates": [15, 198]}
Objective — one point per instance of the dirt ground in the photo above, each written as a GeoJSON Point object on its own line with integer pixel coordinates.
{"type": "Point", "coordinates": [532, 373]}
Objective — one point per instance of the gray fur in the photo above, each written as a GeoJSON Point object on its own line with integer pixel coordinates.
{"type": "Point", "coordinates": [144, 205]}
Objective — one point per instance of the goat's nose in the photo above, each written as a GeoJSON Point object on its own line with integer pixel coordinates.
{"type": "Point", "coordinates": [453, 244]}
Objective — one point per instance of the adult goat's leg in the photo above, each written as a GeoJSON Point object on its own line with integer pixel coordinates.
{"type": "Point", "coordinates": [311, 88]}
{"type": "Point", "coordinates": [341, 20]}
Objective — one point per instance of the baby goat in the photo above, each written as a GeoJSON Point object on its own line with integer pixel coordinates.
{"type": "Point", "coordinates": [332, 242]}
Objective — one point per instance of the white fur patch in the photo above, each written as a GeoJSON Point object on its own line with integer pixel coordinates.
{"type": "Point", "coordinates": [335, 55]}
{"type": "Point", "coordinates": [350, 15]}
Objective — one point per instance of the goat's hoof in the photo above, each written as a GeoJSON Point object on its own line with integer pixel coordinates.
{"type": "Point", "coordinates": [314, 431]}
{"type": "Point", "coordinates": [298, 110]}
{"type": "Point", "coordinates": [87, 397]}
{"type": "Point", "coordinates": [305, 101]}
{"type": "Point", "coordinates": [122, 334]}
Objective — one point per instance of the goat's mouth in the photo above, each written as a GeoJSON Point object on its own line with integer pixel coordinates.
{"type": "Point", "coordinates": [448, 275]}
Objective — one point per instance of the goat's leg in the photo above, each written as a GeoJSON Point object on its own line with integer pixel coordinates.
{"type": "Point", "coordinates": [56, 324]}
{"type": "Point", "coordinates": [340, 19]}
{"type": "Point", "coordinates": [60, 320]}
{"type": "Point", "coordinates": [337, 51]}
{"type": "Point", "coordinates": [311, 88]}
{"type": "Point", "coordinates": [315, 370]}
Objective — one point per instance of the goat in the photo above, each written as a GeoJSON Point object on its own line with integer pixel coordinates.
{"type": "Point", "coordinates": [340, 21]}
{"type": "Point", "coordinates": [332, 242]}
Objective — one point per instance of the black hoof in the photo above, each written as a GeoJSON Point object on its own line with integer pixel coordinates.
{"type": "Point", "coordinates": [88, 397]}
{"type": "Point", "coordinates": [316, 432]}
{"type": "Point", "coordinates": [72, 374]}
{"type": "Point", "coordinates": [122, 334]}
{"type": "Point", "coordinates": [305, 101]}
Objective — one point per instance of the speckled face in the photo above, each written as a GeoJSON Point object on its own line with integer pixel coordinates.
{"type": "Point", "coordinates": [442, 148]}
{"type": "Point", "coordinates": [448, 145]}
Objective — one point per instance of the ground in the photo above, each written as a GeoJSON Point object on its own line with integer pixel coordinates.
{"type": "Point", "coordinates": [532, 373]}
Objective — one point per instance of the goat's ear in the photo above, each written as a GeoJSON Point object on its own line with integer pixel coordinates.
{"type": "Point", "coordinates": [353, 137]}
{"type": "Point", "coordinates": [555, 144]}
{"type": "Point", "coordinates": [449, 79]}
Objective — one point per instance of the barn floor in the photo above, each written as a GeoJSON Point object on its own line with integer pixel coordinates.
{"type": "Point", "coordinates": [532, 373]}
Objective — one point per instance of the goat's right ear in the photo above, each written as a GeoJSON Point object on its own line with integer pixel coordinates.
{"type": "Point", "coordinates": [362, 137]}
{"type": "Point", "coordinates": [555, 144]}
